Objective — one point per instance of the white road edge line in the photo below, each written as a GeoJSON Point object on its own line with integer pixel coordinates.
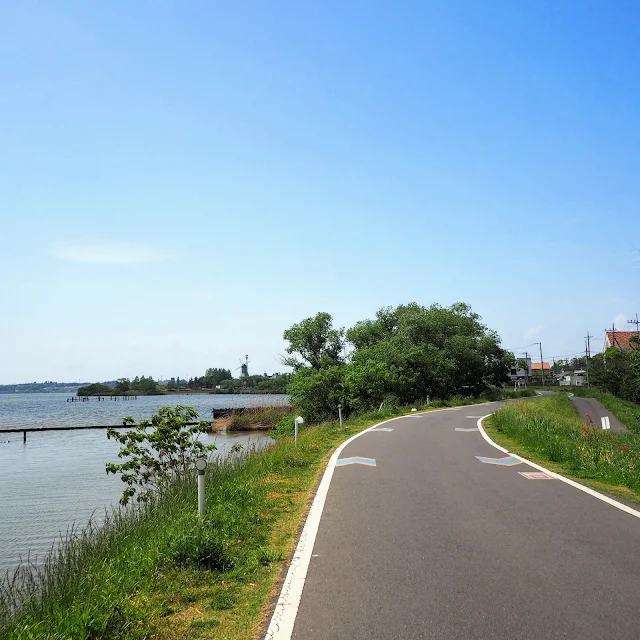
{"type": "Point", "coordinates": [557, 476]}
{"type": "Point", "coordinates": [286, 610]}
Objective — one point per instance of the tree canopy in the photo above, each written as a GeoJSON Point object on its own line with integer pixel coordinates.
{"type": "Point", "coordinates": [402, 355]}
{"type": "Point", "coordinates": [618, 372]}
{"type": "Point", "coordinates": [139, 385]}
{"type": "Point", "coordinates": [214, 376]}
{"type": "Point", "coordinates": [314, 343]}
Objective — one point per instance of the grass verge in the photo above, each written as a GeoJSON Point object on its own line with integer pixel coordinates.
{"type": "Point", "coordinates": [254, 418]}
{"type": "Point", "coordinates": [157, 571]}
{"type": "Point", "coordinates": [550, 432]}
{"type": "Point", "coordinates": [627, 412]}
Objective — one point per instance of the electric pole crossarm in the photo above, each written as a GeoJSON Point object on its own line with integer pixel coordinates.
{"type": "Point", "coordinates": [637, 323]}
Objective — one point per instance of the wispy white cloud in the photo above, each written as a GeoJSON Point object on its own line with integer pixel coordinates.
{"type": "Point", "coordinates": [533, 332]}
{"type": "Point", "coordinates": [620, 320]}
{"type": "Point", "coordinates": [114, 253]}
{"type": "Point", "coordinates": [204, 296]}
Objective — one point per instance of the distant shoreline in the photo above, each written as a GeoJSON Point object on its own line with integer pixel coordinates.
{"type": "Point", "coordinates": [167, 392]}
{"type": "Point", "coordinates": [176, 392]}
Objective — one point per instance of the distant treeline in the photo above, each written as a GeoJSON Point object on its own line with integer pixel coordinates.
{"type": "Point", "coordinates": [216, 380]}
{"type": "Point", "coordinates": [41, 387]}
{"type": "Point", "coordinates": [222, 378]}
{"type": "Point", "coordinates": [139, 386]}
{"type": "Point", "coordinates": [222, 381]}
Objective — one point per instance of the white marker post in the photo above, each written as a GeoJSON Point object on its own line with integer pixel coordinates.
{"type": "Point", "coordinates": [605, 423]}
{"type": "Point", "coordinates": [340, 414]}
{"type": "Point", "coordinates": [298, 421]}
{"type": "Point", "coordinates": [201, 465]}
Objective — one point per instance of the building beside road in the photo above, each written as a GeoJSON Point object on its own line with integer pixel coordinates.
{"type": "Point", "coordinates": [536, 371]}
{"type": "Point", "coordinates": [575, 378]}
{"type": "Point", "coordinates": [518, 374]}
{"type": "Point", "coordinates": [623, 340]}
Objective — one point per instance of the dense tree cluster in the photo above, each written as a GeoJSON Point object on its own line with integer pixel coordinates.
{"type": "Point", "coordinates": [266, 384]}
{"type": "Point", "coordinates": [212, 377]}
{"type": "Point", "coordinates": [405, 354]}
{"type": "Point", "coordinates": [95, 389]}
{"type": "Point", "coordinates": [618, 371]}
{"type": "Point", "coordinates": [572, 364]}
{"type": "Point", "coordinates": [140, 385]}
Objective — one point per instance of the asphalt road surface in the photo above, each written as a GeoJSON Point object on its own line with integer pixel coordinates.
{"type": "Point", "coordinates": [596, 412]}
{"type": "Point", "coordinates": [433, 543]}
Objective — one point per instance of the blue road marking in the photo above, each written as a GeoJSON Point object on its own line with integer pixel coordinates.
{"type": "Point", "coordinates": [370, 462]}
{"type": "Point", "coordinates": [509, 461]}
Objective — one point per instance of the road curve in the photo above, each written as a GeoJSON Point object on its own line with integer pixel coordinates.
{"type": "Point", "coordinates": [431, 542]}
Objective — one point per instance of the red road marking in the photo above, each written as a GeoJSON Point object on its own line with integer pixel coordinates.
{"type": "Point", "coordinates": [535, 475]}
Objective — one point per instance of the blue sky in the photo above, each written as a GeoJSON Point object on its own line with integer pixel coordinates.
{"type": "Point", "coordinates": [181, 181]}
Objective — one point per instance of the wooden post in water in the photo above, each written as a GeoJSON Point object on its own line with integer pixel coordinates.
{"type": "Point", "coordinates": [24, 436]}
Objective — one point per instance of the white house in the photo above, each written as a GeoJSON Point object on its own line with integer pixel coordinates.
{"type": "Point", "coordinates": [520, 375]}
{"type": "Point", "coordinates": [572, 378]}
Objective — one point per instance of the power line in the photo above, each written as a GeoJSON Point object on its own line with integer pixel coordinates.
{"type": "Point", "coordinates": [637, 323]}
{"type": "Point", "coordinates": [524, 346]}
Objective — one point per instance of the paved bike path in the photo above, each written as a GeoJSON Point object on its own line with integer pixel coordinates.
{"type": "Point", "coordinates": [599, 415]}
{"type": "Point", "coordinates": [433, 543]}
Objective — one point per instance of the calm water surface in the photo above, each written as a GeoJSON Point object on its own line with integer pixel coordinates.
{"type": "Point", "coordinates": [58, 478]}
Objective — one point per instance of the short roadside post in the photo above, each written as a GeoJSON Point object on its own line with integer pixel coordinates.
{"type": "Point", "coordinates": [297, 422]}
{"type": "Point", "coordinates": [340, 414]}
{"type": "Point", "coordinates": [201, 465]}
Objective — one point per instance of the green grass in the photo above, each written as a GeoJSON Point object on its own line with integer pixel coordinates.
{"type": "Point", "coordinates": [157, 571]}
{"type": "Point", "coordinates": [627, 412]}
{"type": "Point", "coordinates": [250, 418]}
{"type": "Point", "coordinates": [550, 429]}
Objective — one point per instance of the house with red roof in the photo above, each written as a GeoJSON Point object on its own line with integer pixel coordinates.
{"type": "Point", "coordinates": [538, 366]}
{"type": "Point", "coordinates": [620, 340]}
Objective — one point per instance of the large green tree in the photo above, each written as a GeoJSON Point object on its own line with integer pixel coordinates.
{"type": "Point", "coordinates": [314, 343]}
{"type": "Point", "coordinates": [618, 372]}
{"type": "Point", "coordinates": [402, 355]}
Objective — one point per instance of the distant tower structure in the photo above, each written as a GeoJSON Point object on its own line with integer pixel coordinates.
{"type": "Point", "coordinates": [244, 367]}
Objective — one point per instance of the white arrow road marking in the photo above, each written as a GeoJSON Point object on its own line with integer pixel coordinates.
{"type": "Point", "coordinates": [605, 423]}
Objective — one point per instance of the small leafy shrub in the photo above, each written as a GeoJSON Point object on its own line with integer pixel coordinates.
{"type": "Point", "coordinates": [157, 450]}
{"type": "Point", "coordinates": [284, 428]}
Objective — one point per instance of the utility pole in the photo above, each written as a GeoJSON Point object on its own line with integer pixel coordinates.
{"type": "Point", "coordinates": [526, 368]}
{"type": "Point", "coordinates": [541, 361]}
{"type": "Point", "coordinates": [613, 341]}
{"type": "Point", "coordinates": [637, 323]}
{"type": "Point", "coordinates": [587, 352]}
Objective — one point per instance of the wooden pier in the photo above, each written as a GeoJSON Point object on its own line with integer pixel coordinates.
{"type": "Point", "coordinates": [215, 414]}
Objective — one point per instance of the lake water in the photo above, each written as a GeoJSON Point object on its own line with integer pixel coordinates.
{"type": "Point", "coordinates": [58, 478]}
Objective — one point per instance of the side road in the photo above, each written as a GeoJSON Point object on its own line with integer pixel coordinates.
{"type": "Point", "coordinates": [425, 530]}
{"type": "Point", "coordinates": [599, 415]}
